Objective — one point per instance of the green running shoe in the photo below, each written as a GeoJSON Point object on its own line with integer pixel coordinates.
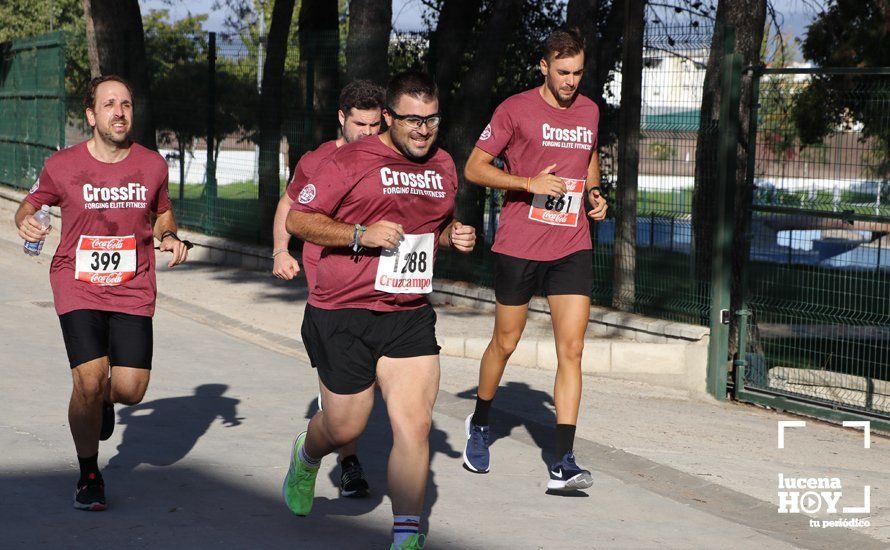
{"type": "Point", "coordinates": [299, 483]}
{"type": "Point", "coordinates": [414, 542]}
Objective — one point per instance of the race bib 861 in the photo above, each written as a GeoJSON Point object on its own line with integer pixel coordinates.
{"type": "Point", "coordinates": [563, 211]}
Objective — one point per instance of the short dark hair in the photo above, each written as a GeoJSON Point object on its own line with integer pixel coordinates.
{"type": "Point", "coordinates": [89, 100]}
{"type": "Point", "coordinates": [562, 43]}
{"type": "Point", "coordinates": [411, 82]}
{"type": "Point", "coordinates": [362, 95]}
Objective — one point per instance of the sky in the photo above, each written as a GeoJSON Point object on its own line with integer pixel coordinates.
{"type": "Point", "coordinates": [796, 14]}
{"type": "Point", "coordinates": [406, 14]}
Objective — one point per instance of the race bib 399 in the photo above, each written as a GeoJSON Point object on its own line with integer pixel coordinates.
{"type": "Point", "coordinates": [105, 261]}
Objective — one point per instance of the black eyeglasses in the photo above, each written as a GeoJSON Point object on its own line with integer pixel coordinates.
{"type": "Point", "coordinates": [416, 121]}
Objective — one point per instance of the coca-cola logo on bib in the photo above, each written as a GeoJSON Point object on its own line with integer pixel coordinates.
{"type": "Point", "coordinates": [307, 194]}
{"type": "Point", "coordinates": [486, 133]}
{"type": "Point", "coordinates": [556, 217]}
{"type": "Point", "coordinates": [108, 279]}
{"type": "Point", "coordinates": [108, 244]}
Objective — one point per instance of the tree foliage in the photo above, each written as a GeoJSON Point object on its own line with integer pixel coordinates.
{"type": "Point", "coordinates": [849, 33]}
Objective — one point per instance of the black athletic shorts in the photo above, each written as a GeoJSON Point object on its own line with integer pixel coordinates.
{"type": "Point", "coordinates": [345, 344]}
{"type": "Point", "coordinates": [89, 334]}
{"type": "Point", "coordinates": [516, 280]}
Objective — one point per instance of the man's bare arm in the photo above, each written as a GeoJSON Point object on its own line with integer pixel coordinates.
{"type": "Point", "coordinates": [324, 231]}
{"type": "Point", "coordinates": [319, 229]}
{"type": "Point", "coordinates": [480, 171]}
{"type": "Point", "coordinates": [27, 226]}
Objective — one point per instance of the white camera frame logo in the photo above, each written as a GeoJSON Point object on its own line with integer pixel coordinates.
{"type": "Point", "coordinates": [815, 492]}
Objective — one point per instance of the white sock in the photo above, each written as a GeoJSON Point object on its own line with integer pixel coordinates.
{"type": "Point", "coordinates": [403, 527]}
{"type": "Point", "coordinates": [306, 459]}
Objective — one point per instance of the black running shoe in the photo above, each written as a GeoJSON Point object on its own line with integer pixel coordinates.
{"type": "Point", "coordinates": [90, 494]}
{"type": "Point", "coordinates": [352, 479]}
{"type": "Point", "coordinates": [108, 420]}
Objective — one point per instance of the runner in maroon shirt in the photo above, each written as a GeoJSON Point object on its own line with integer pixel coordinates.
{"type": "Point", "coordinates": [380, 207]}
{"type": "Point", "coordinates": [103, 272]}
{"type": "Point", "coordinates": [547, 137]}
{"type": "Point", "coordinates": [360, 116]}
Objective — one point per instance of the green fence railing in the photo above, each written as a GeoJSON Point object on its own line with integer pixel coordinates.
{"type": "Point", "coordinates": [819, 269]}
{"type": "Point", "coordinates": [32, 106]}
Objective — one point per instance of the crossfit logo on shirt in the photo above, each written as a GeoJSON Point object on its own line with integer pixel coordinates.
{"type": "Point", "coordinates": [307, 194]}
{"type": "Point", "coordinates": [579, 137]}
{"type": "Point", "coordinates": [486, 133]}
{"type": "Point", "coordinates": [132, 195]}
{"type": "Point", "coordinates": [35, 187]}
{"type": "Point", "coordinates": [428, 183]}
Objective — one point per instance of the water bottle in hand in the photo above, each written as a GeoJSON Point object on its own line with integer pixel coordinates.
{"type": "Point", "coordinates": [42, 217]}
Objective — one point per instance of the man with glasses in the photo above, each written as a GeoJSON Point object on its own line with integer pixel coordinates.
{"type": "Point", "coordinates": [547, 137]}
{"type": "Point", "coordinates": [380, 207]}
{"type": "Point", "coordinates": [360, 115]}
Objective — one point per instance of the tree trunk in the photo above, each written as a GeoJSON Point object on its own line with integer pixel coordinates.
{"type": "Point", "coordinates": [602, 37]}
{"type": "Point", "coordinates": [449, 43]}
{"type": "Point", "coordinates": [319, 54]}
{"type": "Point", "coordinates": [116, 45]}
{"type": "Point", "coordinates": [624, 291]}
{"type": "Point", "coordinates": [471, 104]}
{"type": "Point", "coordinates": [270, 114]}
{"type": "Point", "coordinates": [367, 44]}
{"type": "Point", "coordinates": [749, 19]}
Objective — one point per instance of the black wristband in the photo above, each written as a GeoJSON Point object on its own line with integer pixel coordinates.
{"type": "Point", "coordinates": [169, 233]}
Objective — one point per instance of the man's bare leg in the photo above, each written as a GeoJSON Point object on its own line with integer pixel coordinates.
{"type": "Point", "coordinates": [569, 314]}
{"type": "Point", "coordinates": [409, 386]}
{"type": "Point", "coordinates": [509, 322]}
{"type": "Point", "coordinates": [342, 420]}
{"type": "Point", "coordinates": [85, 406]}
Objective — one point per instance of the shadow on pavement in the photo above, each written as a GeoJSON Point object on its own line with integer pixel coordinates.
{"type": "Point", "coordinates": [163, 431]}
{"type": "Point", "coordinates": [168, 508]}
{"type": "Point", "coordinates": [373, 452]}
{"type": "Point", "coordinates": [293, 290]}
{"type": "Point", "coordinates": [538, 416]}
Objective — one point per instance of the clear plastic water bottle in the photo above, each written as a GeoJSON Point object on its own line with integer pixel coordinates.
{"type": "Point", "coordinates": [42, 217]}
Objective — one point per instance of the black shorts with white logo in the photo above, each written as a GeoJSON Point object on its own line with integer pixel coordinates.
{"type": "Point", "coordinates": [126, 339]}
{"type": "Point", "coordinates": [344, 345]}
{"type": "Point", "coordinates": [516, 280]}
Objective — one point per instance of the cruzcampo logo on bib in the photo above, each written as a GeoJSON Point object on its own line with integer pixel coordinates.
{"type": "Point", "coordinates": [407, 269]}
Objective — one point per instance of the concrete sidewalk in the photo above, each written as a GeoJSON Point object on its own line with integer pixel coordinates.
{"type": "Point", "coordinates": [200, 462]}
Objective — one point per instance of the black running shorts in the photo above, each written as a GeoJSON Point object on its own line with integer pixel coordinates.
{"type": "Point", "coordinates": [345, 344]}
{"type": "Point", "coordinates": [89, 334]}
{"type": "Point", "coordinates": [516, 280]}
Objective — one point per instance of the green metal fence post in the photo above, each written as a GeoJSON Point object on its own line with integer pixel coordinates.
{"type": "Point", "coordinates": [741, 361]}
{"type": "Point", "coordinates": [718, 344]}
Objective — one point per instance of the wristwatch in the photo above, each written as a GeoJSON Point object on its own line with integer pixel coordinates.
{"type": "Point", "coordinates": [357, 237]}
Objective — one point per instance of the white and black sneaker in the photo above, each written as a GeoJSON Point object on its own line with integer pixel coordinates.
{"type": "Point", "coordinates": [566, 475]}
{"type": "Point", "coordinates": [352, 479]}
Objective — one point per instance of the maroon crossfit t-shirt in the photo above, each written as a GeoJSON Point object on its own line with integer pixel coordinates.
{"type": "Point", "coordinates": [532, 135]}
{"type": "Point", "coordinates": [105, 259]}
{"type": "Point", "coordinates": [305, 169]}
{"type": "Point", "coordinates": [364, 182]}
